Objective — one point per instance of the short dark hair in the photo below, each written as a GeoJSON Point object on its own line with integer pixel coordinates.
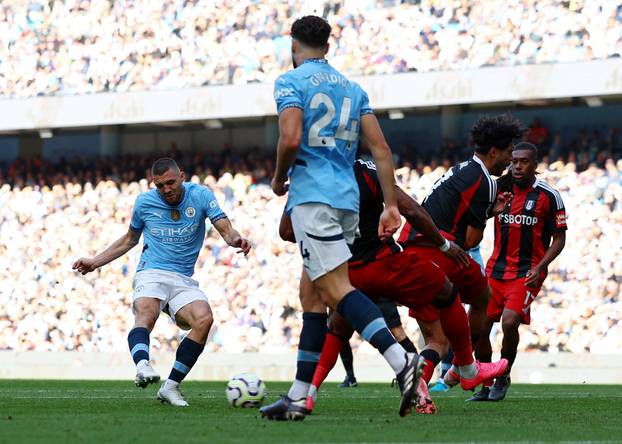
{"type": "Point", "coordinates": [528, 147]}
{"type": "Point", "coordinates": [311, 30]}
{"type": "Point", "coordinates": [495, 131]}
{"type": "Point", "coordinates": [162, 165]}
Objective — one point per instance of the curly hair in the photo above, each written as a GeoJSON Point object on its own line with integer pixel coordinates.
{"type": "Point", "coordinates": [311, 30]}
{"type": "Point", "coordinates": [495, 131]}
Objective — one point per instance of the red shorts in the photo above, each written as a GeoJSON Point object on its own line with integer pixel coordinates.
{"type": "Point", "coordinates": [513, 295]}
{"type": "Point", "coordinates": [470, 281]}
{"type": "Point", "coordinates": [401, 277]}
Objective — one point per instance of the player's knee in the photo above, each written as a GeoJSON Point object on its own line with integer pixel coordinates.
{"type": "Point", "coordinates": [203, 323]}
{"type": "Point", "coordinates": [510, 321]}
{"type": "Point", "coordinates": [446, 296]}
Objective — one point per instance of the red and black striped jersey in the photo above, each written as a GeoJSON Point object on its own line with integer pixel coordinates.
{"type": "Point", "coordinates": [524, 229]}
{"type": "Point", "coordinates": [367, 245]}
{"type": "Point", "coordinates": [462, 197]}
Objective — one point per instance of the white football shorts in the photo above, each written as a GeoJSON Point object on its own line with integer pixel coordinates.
{"type": "Point", "coordinates": [323, 234]}
{"type": "Point", "coordinates": [174, 290]}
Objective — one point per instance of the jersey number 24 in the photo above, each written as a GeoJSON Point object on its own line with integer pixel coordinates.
{"type": "Point", "coordinates": [342, 133]}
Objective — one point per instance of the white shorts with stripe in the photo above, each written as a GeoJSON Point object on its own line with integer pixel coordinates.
{"type": "Point", "coordinates": [323, 234]}
{"type": "Point", "coordinates": [174, 290]}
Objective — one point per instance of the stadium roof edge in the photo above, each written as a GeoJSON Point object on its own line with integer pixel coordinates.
{"type": "Point", "coordinates": [395, 91]}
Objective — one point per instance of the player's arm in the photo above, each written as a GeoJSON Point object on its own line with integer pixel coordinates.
{"type": "Point", "coordinates": [372, 135]}
{"type": "Point", "coordinates": [286, 231]}
{"type": "Point", "coordinates": [290, 135]}
{"type": "Point", "coordinates": [421, 221]}
{"type": "Point", "coordinates": [117, 249]}
{"type": "Point", "coordinates": [557, 224]}
{"type": "Point", "coordinates": [533, 275]}
{"type": "Point", "coordinates": [231, 236]}
{"type": "Point", "coordinates": [474, 236]}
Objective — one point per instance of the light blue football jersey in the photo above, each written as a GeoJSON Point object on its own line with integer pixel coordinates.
{"type": "Point", "coordinates": [332, 108]}
{"type": "Point", "coordinates": [173, 234]}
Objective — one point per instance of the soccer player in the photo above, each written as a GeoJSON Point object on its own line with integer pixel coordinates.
{"type": "Point", "coordinates": [383, 270]}
{"type": "Point", "coordinates": [321, 114]}
{"type": "Point", "coordinates": [460, 203]}
{"type": "Point", "coordinates": [529, 234]}
{"type": "Point", "coordinates": [448, 357]}
{"type": "Point", "coordinates": [172, 220]}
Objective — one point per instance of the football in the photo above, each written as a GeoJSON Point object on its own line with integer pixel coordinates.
{"type": "Point", "coordinates": [245, 390]}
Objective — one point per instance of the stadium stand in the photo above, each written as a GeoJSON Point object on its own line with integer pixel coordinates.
{"type": "Point", "coordinates": [52, 213]}
{"type": "Point", "coordinates": [79, 47]}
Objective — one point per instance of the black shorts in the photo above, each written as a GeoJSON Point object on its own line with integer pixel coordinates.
{"type": "Point", "coordinates": [389, 312]}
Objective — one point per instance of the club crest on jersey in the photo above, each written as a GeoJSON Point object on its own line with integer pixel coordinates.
{"type": "Point", "coordinates": [175, 215]}
{"type": "Point", "coordinates": [190, 212]}
{"type": "Point", "coordinates": [529, 204]}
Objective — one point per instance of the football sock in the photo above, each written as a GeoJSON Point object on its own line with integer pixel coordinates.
{"type": "Point", "coordinates": [455, 324]}
{"type": "Point", "coordinates": [366, 318]}
{"type": "Point", "coordinates": [138, 340]}
{"type": "Point", "coordinates": [408, 345]}
{"type": "Point", "coordinates": [431, 361]}
{"type": "Point", "coordinates": [446, 364]}
{"type": "Point", "coordinates": [187, 354]}
{"type": "Point", "coordinates": [347, 359]}
{"type": "Point", "coordinates": [312, 337]}
{"type": "Point", "coordinates": [328, 358]}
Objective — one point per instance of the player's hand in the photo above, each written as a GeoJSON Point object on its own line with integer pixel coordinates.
{"type": "Point", "coordinates": [243, 245]}
{"type": "Point", "coordinates": [503, 200]}
{"type": "Point", "coordinates": [84, 265]}
{"type": "Point", "coordinates": [457, 254]}
{"type": "Point", "coordinates": [279, 187]}
{"type": "Point", "coordinates": [390, 221]}
{"type": "Point", "coordinates": [532, 279]}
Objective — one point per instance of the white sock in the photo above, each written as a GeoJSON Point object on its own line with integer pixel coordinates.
{"type": "Point", "coordinates": [298, 390]}
{"type": "Point", "coordinates": [396, 357]}
{"type": "Point", "coordinates": [468, 371]}
{"type": "Point", "coordinates": [454, 369]}
{"type": "Point", "coordinates": [171, 383]}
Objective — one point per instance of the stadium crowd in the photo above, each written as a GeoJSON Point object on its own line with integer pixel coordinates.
{"type": "Point", "coordinates": [52, 214]}
{"type": "Point", "coordinates": [85, 46]}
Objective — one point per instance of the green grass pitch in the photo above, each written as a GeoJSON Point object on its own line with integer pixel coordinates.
{"type": "Point", "coordinates": [104, 411]}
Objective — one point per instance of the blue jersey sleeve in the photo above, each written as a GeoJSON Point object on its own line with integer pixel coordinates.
{"type": "Point", "coordinates": [365, 108]}
{"type": "Point", "coordinates": [287, 94]}
{"type": "Point", "coordinates": [137, 223]}
{"type": "Point", "coordinates": [212, 209]}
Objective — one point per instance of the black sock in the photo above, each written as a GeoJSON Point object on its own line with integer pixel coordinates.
{"type": "Point", "coordinates": [432, 356]}
{"type": "Point", "coordinates": [408, 345]}
{"type": "Point", "coordinates": [312, 338]}
{"type": "Point", "coordinates": [138, 340]}
{"type": "Point", "coordinates": [187, 354]}
{"type": "Point", "coordinates": [347, 359]}
{"type": "Point", "coordinates": [447, 360]}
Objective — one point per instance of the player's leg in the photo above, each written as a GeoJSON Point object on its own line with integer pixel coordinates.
{"type": "Point", "coordinates": [150, 292]}
{"type": "Point", "coordinates": [347, 359]}
{"type": "Point", "coordinates": [312, 337]}
{"type": "Point", "coordinates": [391, 316]}
{"type": "Point", "coordinates": [366, 318]}
{"type": "Point", "coordinates": [483, 353]}
{"type": "Point", "coordinates": [339, 333]}
{"type": "Point", "coordinates": [456, 327]}
{"type": "Point", "coordinates": [323, 234]}
{"type": "Point", "coordinates": [197, 315]}
{"type": "Point", "coordinates": [510, 321]}
{"type": "Point", "coordinates": [446, 363]}
{"type": "Point", "coordinates": [436, 345]}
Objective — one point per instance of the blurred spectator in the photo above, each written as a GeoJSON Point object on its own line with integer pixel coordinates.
{"type": "Point", "coordinates": [52, 47]}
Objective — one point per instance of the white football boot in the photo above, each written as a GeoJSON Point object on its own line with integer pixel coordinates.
{"type": "Point", "coordinates": [145, 374]}
{"type": "Point", "coordinates": [169, 393]}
